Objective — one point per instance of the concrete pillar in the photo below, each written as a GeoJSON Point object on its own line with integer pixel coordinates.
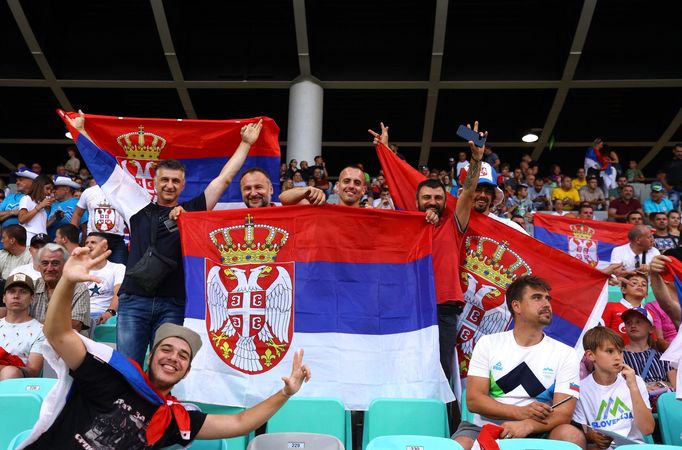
{"type": "Point", "coordinates": [304, 137]}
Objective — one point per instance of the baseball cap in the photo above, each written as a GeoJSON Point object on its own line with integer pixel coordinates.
{"type": "Point", "coordinates": [657, 187]}
{"type": "Point", "coordinates": [172, 330]}
{"type": "Point", "coordinates": [25, 172]}
{"type": "Point", "coordinates": [66, 181]}
{"type": "Point", "coordinates": [488, 175]}
{"type": "Point", "coordinates": [19, 279]}
{"type": "Point", "coordinates": [637, 310]}
{"type": "Point", "coordinates": [40, 238]}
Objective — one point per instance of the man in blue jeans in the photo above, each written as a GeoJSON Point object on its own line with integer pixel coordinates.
{"type": "Point", "coordinates": [141, 313]}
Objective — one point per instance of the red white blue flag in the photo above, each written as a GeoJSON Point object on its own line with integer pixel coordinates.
{"type": "Point", "coordinates": [353, 287]}
{"type": "Point", "coordinates": [590, 241]}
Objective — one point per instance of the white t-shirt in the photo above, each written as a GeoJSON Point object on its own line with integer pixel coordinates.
{"type": "Point", "coordinates": [624, 254]}
{"type": "Point", "coordinates": [21, 339]}
{"type": "Point", "coordinates": [101, 293]}
{"type": "Point", "coordinates": [520, 375]}
{"type": "Point", "coordinates": [509, 223]}
{"type": "Point", "coordinates": [38, 224]}
{"type": "Point", "coordinates": [102, 217]}
{"type": "Point", "coordinates": [28, 270]}
{"type": "Point", "coordinates": [609, 407]}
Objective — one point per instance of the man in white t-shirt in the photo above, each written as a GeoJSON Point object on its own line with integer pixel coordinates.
{"type": "Point", "coordinates": [21, 336]}
{"type": "Point", "coordinates": [515, 376]}
{"type": "Point", "coordinates": [638, 252]}
{"type": "Point", "coordinates": [102, 218]}
{"type": "Point", "coordinates": [104, 294]}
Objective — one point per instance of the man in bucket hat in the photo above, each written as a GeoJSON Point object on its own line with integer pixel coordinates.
{"type": "Point", "coordinates": [112, 403]}
{"type": "Point", "coordinates": [9, 208]}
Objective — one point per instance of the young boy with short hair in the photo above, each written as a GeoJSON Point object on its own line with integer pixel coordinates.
{"type": "Point", "coordinates": [613, 397]}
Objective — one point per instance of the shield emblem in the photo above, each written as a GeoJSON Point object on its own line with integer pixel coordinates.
{"type": "Point", "coordinates": [105, 218]}
{"type": "Point", "coordinates": [143, 170]}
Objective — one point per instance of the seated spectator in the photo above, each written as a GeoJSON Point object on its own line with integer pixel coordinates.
{"type": "Point", "coordinates": [462, 162]}
{"type": "Point", "coordinates": [658, 375]}
{"type": "Point", "coordinates": [634, 288]}
{"type": "Point", "coordinates": [663, 240]}
{"type": "Point", "coordinates": [68, 237]}
{"type": "Point", "coordinates": [33, 208]}
{"type": "Point", "coordinates": [21, 336]}
{"type": "Point", "coordinates": [616, 192]}
{"type": "Point", "coordinates": [511, 183]}
{"type": "Point", "coordinates": [9, 208]}
{"type": "Point", "coordinates": [621, 206]}
{"type": "Point", "coordinates": [558, 208]}
{"type": "Point", "coordinates": [503, 176]}
{"type": "Point", "coordinates": [549, 368]}
{"type": "Point", "coordinates": [580, 180]}
{"type": "Point", "coordinates": [306, 171]}
{"type": "Point", "coordinates": [64, 205]}
{"type": "Point", "coordinates": [32, 267]}
{"type": "Point", "coordinates": [672, 170]}
{"type": "Point", "coordinates": [14, 252]}
{"type": "Point", "coordinates": [320, 164]}
{"type": "Point", "coordinates": [103, 293]}
{"type": "Point", "coordinates": [491, 157]}
{"type": "Point", "coordinates": [449, 186]}
{"type": "Point", "coordinates": [634, 174]}
{"type": "Point", "coordinates": [84, 174]}
{"type": "Point", "coordinates": [638, 252]}
{"type": "Point", "coordinates": [37, 168]}
{"type": "Point", "coordinates": [604, 349]}
{"type": "Point", "coordinates": [634, 218]}
{"type": "Point", "coordinates": [663, 325]}
{"type": "Point", "coordinates": [384, 201]}
{"type": "Point", "coordinates": [60, 171]}
{"type": "Point", "coordinates": [674, 223]}
{"type": "Point", "coordinates": [586, 211]}
{"type": "Point", "coordinates": [321, 181]}
{"type": "Point", "coordinates": [298, 179]}
{"type": "Point", "coordinates": [51, 259]}
{"type": "Point", "coordinates": [519, 204]}
{"type": "Point", "coordinates": [657, 201]}
{"type": "Point", "coordinates": [293, 168]}
{"type": "Point", "coordinates": [568, 195]}
{"type": "Point", "coordinates": [592, 194]}
{"type": "Point", "coordinates": [555, 175]}
{"type": "Point", "coordinates": [73, 165]}
{"type": "Point", "coordinates": [540, 195]}
{"type": "Point", "coordinates": [282, 173]}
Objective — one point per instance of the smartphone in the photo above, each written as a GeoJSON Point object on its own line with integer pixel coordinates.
{"type": "Point", "coordinates": [470, 135]}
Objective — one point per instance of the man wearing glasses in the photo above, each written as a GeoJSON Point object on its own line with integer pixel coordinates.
{"type": "Point", "coordinates": [51, 259]}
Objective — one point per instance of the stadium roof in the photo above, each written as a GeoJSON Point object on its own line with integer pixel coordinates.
{"type": "Point", "coordinates": [574, 69]}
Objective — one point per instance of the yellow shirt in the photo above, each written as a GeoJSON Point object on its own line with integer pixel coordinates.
{"type": "Point", "coordinates": [577, 184]}
{"type": "Point", "coordinates": [571, 194]}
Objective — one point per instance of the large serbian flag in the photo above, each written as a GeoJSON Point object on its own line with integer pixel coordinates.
{"type": "Point", "coordinates": [492, 256]}
{"type": "Point", "coordinates": [131, 146]}
{"type": "Point", "coordinates": [352, 287]}
{"type": "Point", "coordinates": [591, 241]}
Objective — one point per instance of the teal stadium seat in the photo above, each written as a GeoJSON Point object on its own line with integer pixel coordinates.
{"type": "Point", "coordinates": [18, 412]}
{"type": "Point", "coordinates": [234, 443]}
{"type": "Point", "coordinates": [106, 332]}
{"type": "Point", "coordinates": [402, 442]}
{"type": "Point", "coordinates": [38, 386]}
{"type": "Point", "coordinates": [313, 415]}
{"type": "Point", "coordinates": [648, 447]}
{"type": "Point", "coordinates": [400, 416]}
{"type": "Point", "coordinates": [536, 444]}
{"type": "Point", "coordinates": [213, 444]}
{"type": "Point", "coordinates": [670, 418]}
{"type": "Point", "coordinates": [466, 415]}
{"type": "Point", "coordinates": [301, 441]}
{"type": "Point", "coordinates": [18, 439]}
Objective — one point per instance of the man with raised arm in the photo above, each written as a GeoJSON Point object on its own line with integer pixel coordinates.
{"type": "Point", "coordinates": [141, 309]}
{"type": "Point", "coordinates": [112, 404]}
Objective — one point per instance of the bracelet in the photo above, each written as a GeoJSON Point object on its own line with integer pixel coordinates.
{"type": "Point", "coordinates": [111, 311]}
{"type": "Point", "coordinates": [285, 394]}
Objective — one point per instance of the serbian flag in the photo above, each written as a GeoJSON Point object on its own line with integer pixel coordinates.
{"type": "Point", "coordinates": [491, 257]}
{"type": "Point", "coordinates": [590, 241]}
{"type": "Point", "coordinates": [353, 287]}
{"type": "Point", "coordinates": [673, 274]}
{"type": "Point", "coordinates": [131, 146]}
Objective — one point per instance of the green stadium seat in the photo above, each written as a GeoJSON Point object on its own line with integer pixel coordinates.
{"type": "Point", "coordinates": [17, 412]}
{"type": "Point", "coordinates": [400, 416]}
{"type": "Point", "coordinates": [234, 443]}
{"type": "Point", "coordinates": [402, 442]}
{"type": "Point", "coordinates": [536, 444]}
{"type": "Point", "coordinates": [38, 386]}
{"type": "Point", "coordinates": [670, 418]}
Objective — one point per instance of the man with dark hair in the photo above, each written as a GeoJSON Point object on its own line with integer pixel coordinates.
{"type": "Point", "coordinates": [586, 211]}
{"type": "Point", "coordinates": [113, 405]}
{"type": "Point", "coordinates": [256, 188]}
{"type": "Point", "coordinates": [593, 194]}
{"type": "Point", "coordinates": [352, 186]}
{"type": "Point", "coordinates": [67, 236]}
{"type": "Point", "coordinates": [634, 218]}
{"type": "Point", "coordinates": [104, 292]}
{"type": "Point", "coordinates": [144, 306]}
{"type": "Point", "coordinates": [515, 376]}
{"type": "Point", "coordinates": [14, 253]}
{"type": "Point", "coordinates": [663, 240]}
{"type": "Point", "coordinates": [673, 174]}
{"type": "Point", "coordinates": [621, 206]}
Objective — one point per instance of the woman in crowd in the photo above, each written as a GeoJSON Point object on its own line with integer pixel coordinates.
{"type": "Point", "coordinates": [448, 184]}
{"type": "Point", "coordinates": [35, 207]}
{"type": "Point", "coordinates": [674, 223]}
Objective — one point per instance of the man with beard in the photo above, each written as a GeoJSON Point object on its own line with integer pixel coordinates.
{"type": "Point", "coordinates": [515, 376]}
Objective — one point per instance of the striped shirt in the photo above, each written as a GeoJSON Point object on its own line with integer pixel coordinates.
{"type": "Point", "coordinates": [637, 360]}
{"type": "Point", "coordinates": [80, 303]}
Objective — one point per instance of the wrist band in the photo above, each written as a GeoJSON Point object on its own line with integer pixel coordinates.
{"type": "Point", "coordinates": [111, 311]}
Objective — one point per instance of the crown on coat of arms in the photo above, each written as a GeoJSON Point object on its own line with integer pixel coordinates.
{"type": "Point", "coordinates": [141, 145]}
{"type": "Point", "coordinates": [248, 248]}
{"type": "Point", "coordinates": [582, 232]}
{"type": "Point", "coordinates": [494, 261]}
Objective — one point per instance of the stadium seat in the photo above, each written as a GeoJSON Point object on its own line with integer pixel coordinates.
{"type": "Point", "coordinates": [17, 412]}
{"type": "Point", "coordinates": [307, 441]}
{"type": "Point", "coordinates": [536, 444]}
{"type": "Point", "coordinates": [402, 442]}
{"type": "Point", "coordinates": [399, 416]}
{"type": "Point", "coordinates": [313, 415]}
{"type": "Point", "coordinates": [106, 332]}
{"type": "Point", "coordinates": [466, 415]}
{"type": "Point", "coordinates": [18, 439]}
{"type": "Point", "coordinates": [648, 447]}
{"type": "Point", "coordinates": [234, 443]}
{"type": "Point", "coordinates": [213, 444]}
{"type": "Point", "coordinates": [38, 386]}
{"type": "Point", "coordinates": [670, 418]}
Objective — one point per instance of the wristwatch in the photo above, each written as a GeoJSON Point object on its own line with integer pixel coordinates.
{"type": "Point", "coordinates": [111, 311]}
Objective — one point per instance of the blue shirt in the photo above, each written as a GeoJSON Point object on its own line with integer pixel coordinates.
{"type": "Point", "coordinates": [11, 203]}
{"type": "Point", "coordinates": [68, 206]}
{"type": "Point", "coordinates": [651, 206]}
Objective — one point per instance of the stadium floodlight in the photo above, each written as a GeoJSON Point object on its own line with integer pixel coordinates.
{"type": "Point", "coordinates": [530, 137]}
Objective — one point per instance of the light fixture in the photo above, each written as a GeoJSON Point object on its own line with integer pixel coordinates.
{"type": "Point", "coordinates": [68, 135]}
{"type": "Point", "coordinates": [532, 135]}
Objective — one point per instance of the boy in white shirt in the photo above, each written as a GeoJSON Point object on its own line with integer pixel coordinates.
{"type": "Point", "coordinates": [612, 398]}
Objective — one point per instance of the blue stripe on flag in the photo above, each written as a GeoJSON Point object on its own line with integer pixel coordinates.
{"type": "Point", "coordinates": [564, 331]}
{"type": "Point", "coordinates": [126, 368]}
{"type": "Point", "coordinates": [374, 299]}
{"type": "Point", "coordinates": [558, 241]}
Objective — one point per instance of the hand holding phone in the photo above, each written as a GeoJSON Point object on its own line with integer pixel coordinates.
{"type": "Point", "coordinates": [474, 136]}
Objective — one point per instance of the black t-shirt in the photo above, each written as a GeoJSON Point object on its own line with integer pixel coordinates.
{"type": "Point", "coordinates": [167, 243]}
{"type": "Point", "coordinates": [673, 172]}
{"type": "Point", "coordinates": [104, 412]}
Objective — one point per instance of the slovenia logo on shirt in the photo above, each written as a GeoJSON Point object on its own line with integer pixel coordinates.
{"type": "Point", "coordinates": [548, 372]}
{"type": "Point", "coordinates": [611, 412]}
{"type": "Point", "coordinates": [498, 366]}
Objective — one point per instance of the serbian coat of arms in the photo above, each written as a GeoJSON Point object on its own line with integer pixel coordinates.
{"type": "Point", "coordinates": [249, 297]}
{"type": "Point", "coordinates": [142, 150]}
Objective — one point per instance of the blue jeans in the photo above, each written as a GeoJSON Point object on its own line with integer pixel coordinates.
{"type": "Point", "coordinates": [138, 319]}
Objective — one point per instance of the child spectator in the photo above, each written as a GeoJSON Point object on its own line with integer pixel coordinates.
{"type": "Point", "coordinates": [633, 174]}
{"type": "Point", "coordinates": [628, 412]}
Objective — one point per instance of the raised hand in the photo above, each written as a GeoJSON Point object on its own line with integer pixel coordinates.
{"type": "Point", "coordinates": [251, 132]}
{"type": "Point", "coordinates": [82, 261]}
{"type": "Point", "coordinates": [629, 375]}
{"type": "Point", "coordinates": [78, 123]}
{"type": "Point", "coordinates": [658, 263]}
{"type": "Point", "coordinates": [383, 137]}
{"type": "Point", "coordinates": [476, 152]}
{"type": "Point", "coordinates": [299, 374]}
